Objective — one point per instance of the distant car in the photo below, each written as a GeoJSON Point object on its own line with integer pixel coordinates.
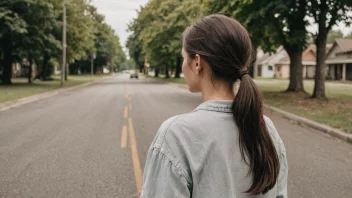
{"type": "Point", "coordinates": [134, 75]}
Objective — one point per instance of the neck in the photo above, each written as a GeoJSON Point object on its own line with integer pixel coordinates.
{"type": "Point", "coordinates": [219, 90]}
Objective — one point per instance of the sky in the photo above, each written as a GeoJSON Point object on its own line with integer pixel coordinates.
{"type": "Point", "coordinates": [118, 13]}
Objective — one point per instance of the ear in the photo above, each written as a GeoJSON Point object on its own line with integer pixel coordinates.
{"type": "Point", "coordinates": [199, 65]}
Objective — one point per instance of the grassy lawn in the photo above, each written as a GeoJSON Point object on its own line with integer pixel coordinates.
{"type": "Point", "coordinates": [21, 88]}
{"type": "Point", "coordinates": [170, 80]}
{"type": "Point", "coordinates": [335, 112]}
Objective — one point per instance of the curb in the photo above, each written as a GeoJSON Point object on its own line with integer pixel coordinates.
{"type": "Point", "coordinates": [312, 124]}
{"type": "Point", "coordinates": [26, 100]}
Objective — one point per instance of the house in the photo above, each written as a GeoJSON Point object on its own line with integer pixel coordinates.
{"type": "Point", "coordinates": [266, 63]}
{"type": "Point", "coordinates": [278, 65]}
{"type": "Point", "coordinates": [261, 69]}
{"type": "Point", "coordinates": [339, 60]}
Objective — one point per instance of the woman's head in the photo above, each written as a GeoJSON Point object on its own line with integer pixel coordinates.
{"type": "Point", "coordinates": [219, 45]}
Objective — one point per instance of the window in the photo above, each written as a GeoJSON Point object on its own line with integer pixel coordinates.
{"type": "Point", "coordinates": [270, 68]}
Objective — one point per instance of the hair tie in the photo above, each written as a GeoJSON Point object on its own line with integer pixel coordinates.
{"type": "Point", "coordinates": [242, 74]}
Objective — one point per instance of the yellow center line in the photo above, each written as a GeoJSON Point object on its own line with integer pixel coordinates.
{"type": "Point", "coordinates": [124, 137]}
{"type": "Point", "coordinates": [125, 113]}
{"type": "Point", "coordinates": [127, 92]}
{"type": "Point", "coordinates": [136, 163]}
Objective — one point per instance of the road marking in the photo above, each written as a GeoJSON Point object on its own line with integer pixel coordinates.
{"type": "Point", "coordinates": [130, 105]}
{"type": "Point", "coordinates": [125, 113]}
{"type": "Point", "coordinates": [127, 92]}
{"type": "Point", "coordinates": [124, 137]}
{"type": "Point", "coordinates": [136, 163]}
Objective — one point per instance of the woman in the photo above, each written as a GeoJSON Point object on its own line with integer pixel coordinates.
{"type": "Point", "coordinates": [225, 147]}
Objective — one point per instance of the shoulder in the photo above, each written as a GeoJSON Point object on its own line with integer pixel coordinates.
{"type": "Point", "coordinates": [171, 129]}
{"type": "Point", "coordinates": [170, 143]}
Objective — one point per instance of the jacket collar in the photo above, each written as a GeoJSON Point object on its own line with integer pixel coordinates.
{"type": "Point", "coordinates": [216, 105]}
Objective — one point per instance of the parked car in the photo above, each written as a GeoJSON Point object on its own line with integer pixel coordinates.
{"type": "Point", "coordinates": [133, 75]}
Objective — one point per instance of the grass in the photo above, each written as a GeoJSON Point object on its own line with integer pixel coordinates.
{"type": "Point", "coordinates": [20, 87]}
{"type": "Point", "coordinates": [336, 111]}
{"type": "Point", "coordinates": [170, 80]}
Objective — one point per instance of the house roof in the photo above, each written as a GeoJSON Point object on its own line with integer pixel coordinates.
{"type": "Point", "coordinates": [310, 48]}
{"type": "Point", "coordinates": [273, 58]}
{"type": "Point", "coordinates": [262, 58]}
{"type": "Point", "coordinates": [344, 44]}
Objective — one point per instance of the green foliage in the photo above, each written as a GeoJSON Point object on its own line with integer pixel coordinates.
{"type": "Point", "coordinates": [157, 30]}
{"type": "Point", "coordinates": [269, 22]}
{"type": "Point", "coordinates": [32, 29]}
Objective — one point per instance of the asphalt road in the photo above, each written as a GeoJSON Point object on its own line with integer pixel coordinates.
{"type": "Point", "coordinates": [92, 142]}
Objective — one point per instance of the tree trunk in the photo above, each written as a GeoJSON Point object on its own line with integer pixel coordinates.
{"type": "Point", "coordinates": [30, 71]}
{"type": "Point", "coordinates": [172, 71]}
{"type": "Point", "coordinates": [44, 67]}
{"type": "Point", "coordinates": [7, 67]}
{"type": "Point", "coordinates": [156, 74]}
{"type": "Point", "coordinates": [296, 71]}
{"type": "Point", "coordinates": [167, 75]}
{"type": "Point", "coordinates": [39, 69]}
{"type": "Point", "coordinates": [178, 67]}
{"type": "Point", "coordinates": [319, 80]}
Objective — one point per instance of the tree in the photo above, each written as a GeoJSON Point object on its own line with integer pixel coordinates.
{"type": "Point", "coordinates": [334, 35]}
{"type": "Point", "coordinates": [32, 29]}
{"type": "Point", "coordinates": [326, 13]}
{"type": "Point", "coordinates": [106, 46]}
{"type": "Point", "coordinates": [157, 30]}
{"type": "Point", "coordinates": [272, 22]}
{"type": "Point", "coordinates": [134, 46]}
{"type": "Point", "coordinates": [21, 35]}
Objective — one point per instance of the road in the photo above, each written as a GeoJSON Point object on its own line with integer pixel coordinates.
{"type": "Point", "coordinates": [92, 142]}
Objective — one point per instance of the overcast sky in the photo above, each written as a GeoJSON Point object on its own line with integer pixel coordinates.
{"type": "Point", "coordinates": [118, 13]}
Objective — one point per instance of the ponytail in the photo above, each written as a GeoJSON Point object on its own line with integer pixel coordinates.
{"type": "Point", "coordinates": [256, 146]}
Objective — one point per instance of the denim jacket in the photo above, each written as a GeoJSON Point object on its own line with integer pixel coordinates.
{"type": "Point", "coordinates": [197, 155]}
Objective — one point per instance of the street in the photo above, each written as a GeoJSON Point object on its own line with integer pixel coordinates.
{"type": "Point", "coordinates": [92, 142]}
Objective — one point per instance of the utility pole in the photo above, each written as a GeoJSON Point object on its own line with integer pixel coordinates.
{"type": "Point", "coordinates": [63, 67]}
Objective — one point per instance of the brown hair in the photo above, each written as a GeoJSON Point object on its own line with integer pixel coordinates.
{"type": "Point", "coordinates": [226, 46]}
